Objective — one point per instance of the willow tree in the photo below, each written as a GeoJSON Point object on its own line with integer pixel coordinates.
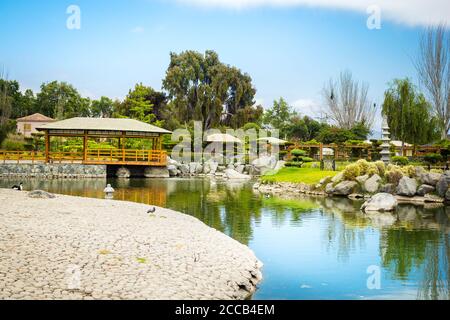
{"type": "Point", "coordinates": [433, 66]}
{"type": "Point", "coordinates": [347, 102]}
{"type": "Point", "coordinates": [202, 88]}
{"type": "Point", "coordinates": [408, 113]}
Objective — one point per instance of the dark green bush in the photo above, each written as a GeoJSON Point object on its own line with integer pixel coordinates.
{"type": "Point", "coordinates": [401, 161]}
{"type": "Point", "coordinates": [433, 158]}
{"type": "Point", "coordinates": [298, 153]}
{"type": "Point", "coordinates": [307, 159]}
{"type": "Point", "coordinates": [293, 164]}
{"type": "Point", "coordinates": [13, 145]}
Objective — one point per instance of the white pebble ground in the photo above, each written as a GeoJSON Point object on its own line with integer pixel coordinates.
{"type": "Point", "coordinates": [81, 248]}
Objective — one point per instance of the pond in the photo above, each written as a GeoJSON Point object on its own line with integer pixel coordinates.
{"type": "Point", "coordinates": [312, 248]}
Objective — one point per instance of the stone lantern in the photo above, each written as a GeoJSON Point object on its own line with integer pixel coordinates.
{"type": "Point", "coordinates": [385, 146]}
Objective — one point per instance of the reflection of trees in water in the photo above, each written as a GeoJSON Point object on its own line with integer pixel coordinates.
{"type": "Point", "coordinates": [419, 244]}
{"type": "Point", "coordinates": [344, 232]}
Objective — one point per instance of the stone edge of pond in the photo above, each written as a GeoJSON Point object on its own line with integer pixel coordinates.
{"type": "Point", "coordinates": [219, 267]}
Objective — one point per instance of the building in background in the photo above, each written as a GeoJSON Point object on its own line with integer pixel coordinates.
{"type": "Point", "coordinates": [27, 125]}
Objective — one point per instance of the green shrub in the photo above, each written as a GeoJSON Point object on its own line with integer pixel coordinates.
{"type": "Point", "coordinates": [394, 175]}
{"type": "Point", "coordinates": [13, 145]}
{"type": "Point", "coordinates": [433, 158]}
{"type": "Point", "coordinates": [293, 164]}
{"type": "Point", "coordinates": [307, 159]}
{"type": "Point", "coordinates": [298, 153]}
{"type": "Point", "coordinates": [363, 166]}
{"type": "Point", "coordinates": [399, 160]}
{"type": "Point", "coordinates": [352, 171]}
{"type": "Point", "coordinates": [372, 169]}
{"type": "Point", "coordinates": [381, 167]}
{"type": "Point", "coordinates": [409, 171]}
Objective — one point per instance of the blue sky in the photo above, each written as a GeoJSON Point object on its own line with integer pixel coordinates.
{"type": "Point", "coordinates": [289, 47]}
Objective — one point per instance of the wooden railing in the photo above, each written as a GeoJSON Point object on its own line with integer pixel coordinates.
{"type": "Point", "coordinates": [93, 156]}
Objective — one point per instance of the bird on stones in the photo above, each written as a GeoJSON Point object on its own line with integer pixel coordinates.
{"type": "Point", "coordinates": [151, 210]}
{"type": "Point", "coordinates": [18, 187]}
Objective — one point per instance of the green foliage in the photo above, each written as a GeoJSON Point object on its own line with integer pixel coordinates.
{"type": "Point", "coordinates": [279, 116]}
{"type": "Point", "coordinates": [352, 171]}
{"type": "Point", "coordinates": [303, 128]}
{"type": "Point", "coordinates": [399, 160]}
{"type": "Point", "coordinates": [409, 114]}
{"type": "Point", "coordinates": [251, 125]}
{"type": "Point", "coordinates": [409, 171]}
{"type": "Point", "coordinates": [393, 174]}
{"type": "Point", "coordinates": [372, 169]}
{"type": "Point", "coordinates": [381, 167]}
{"type": "Point", "coordinates": [293, 164]}
{"type": "Point", "coordinates": [363, 166]}
{"type": "Point", "coordinates": [298, 175]}
{"type": "Point", "coordinates": [14, 143]}
{"type": "Point", "coordinates": [298, 152]}
{"type": "Point", "coordinates": [307, 159]}
{"type": "Point", "coordinates": [333, 134]}
{"type": "Point", "coordinates": [203, 88]}
{"type": "Point", "coordinates": [102, 108]}
{"type": "Point", "coordinates": [433, 158]}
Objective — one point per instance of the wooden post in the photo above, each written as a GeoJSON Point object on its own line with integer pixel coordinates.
{"type": "Point", "coordinates": [47, 147]}
{"type": "Point", "coordinates": [321, 151]}
{"type": "Point", "coordinates": [85, 146]}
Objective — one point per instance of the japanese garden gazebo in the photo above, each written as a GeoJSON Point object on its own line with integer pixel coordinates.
{"type": "Point", "coordinates": [97, 128]}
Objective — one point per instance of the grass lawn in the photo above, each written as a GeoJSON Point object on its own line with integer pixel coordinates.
{"type": "Point", "coordinates": [305, 175]}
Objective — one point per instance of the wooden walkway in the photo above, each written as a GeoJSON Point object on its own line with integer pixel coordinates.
{"type": "Point", "coordinates": [92, 156]}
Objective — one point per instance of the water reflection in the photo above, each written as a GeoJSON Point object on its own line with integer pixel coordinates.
{"type": "Point", "coordinates": [312, 248]}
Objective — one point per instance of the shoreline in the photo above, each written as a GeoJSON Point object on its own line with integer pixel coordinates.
{"type": "Point", "coordinates": [84, 248]}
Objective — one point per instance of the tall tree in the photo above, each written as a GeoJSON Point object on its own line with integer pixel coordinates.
{"type": "Point", "coordinates": [347, 103]}
{"type": "Point", "coordinates": [408, 113]}
{"type": "Point", "coordinates": [279, 116]}
{"type": "Point", "coordinates": [102, 108]}
{"type": "Point", "coordinates": [61, 100]}
{"type": "Point", "coordinates": [433, 66]}
{"type": "Point", "coordinates": [137, 106]}
{"type": "Point", "coordinates": [202, 88]}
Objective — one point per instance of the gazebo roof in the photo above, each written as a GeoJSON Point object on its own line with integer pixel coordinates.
{"type": "Point", "coordinates": [222, 137]}
{"type": "Point", "coordinates": [272, 140]}
{"type": "Point", "coordinates": [103, 124]}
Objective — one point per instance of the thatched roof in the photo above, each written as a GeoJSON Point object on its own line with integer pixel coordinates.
{"type": "Point", "coordinates": [103, 124]}
{"type": "Point", "coordinates": [37, 117]}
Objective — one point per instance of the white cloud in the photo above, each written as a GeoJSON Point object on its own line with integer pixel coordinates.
{"type": "Point", "coordinates": [410, 12]}
{"type": "Point", "coordinates": [308, 107]}
{"type": "Point", "coordinates": [138, 29]}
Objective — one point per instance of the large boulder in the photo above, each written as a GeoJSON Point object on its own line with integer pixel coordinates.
{"type": "Point", "coordinates": [362, 179]}
{"type": "Point", "coordinates": [425, 189]}
{"type": "Point", "coordinates": [195, 168]}
{"type": "Point", "coordinates": [184, 168]}
{"type": "Point", "coordinates": [407, 187]}
{"type": "Point", "coordinates": [338, 178]}
{"type": "Point", "coordinates": [442, 184]}
{"type": "Point", "coordinates": [430, 178]}
{"type": "Point", "coordinates": [380, 202]}
{"type": "Point", "coordinates": [40, 194]}
{"type": "Point", "coordinates": [264, 164]}
{"type": "Point", "coordinates": [213, 164]}
{"type": "Point", "coordinates": [156, 172]}
{"type": "Point", "coordinates": [123, 172]}
{"type": "Point", "coordinates": [234, 175]}
{"type": "Point", "coordinates": [173, 171]}
{"type": "Point", "coordinates": [345, 188]}
{"type": "Point", "coordinates": [372, 184]}
{"type": "Point", "coordinates": [329, 188]}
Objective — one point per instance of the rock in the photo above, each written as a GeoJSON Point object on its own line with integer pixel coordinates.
{"type": "Point", "coordinates": [433, 198]}
{"type": "Point", "coordinates": [419, 171]}
{"type": "Point", "coordinates": [213, 166]}
{"type": "Point", "coordinates": [123, 172]}
{"type": "Point", "coordinates": [407, 187]}
{"type": "Point", "coordinates": [195, 168]}
{"type": "Point", "coordinates": [279, 165]}
{"type": "Point", "coordinates": [345, 188]}
{"type": "Point", "coordinates": [447, 195]}
{"type": "Point", "coordinates": [362, 179]}
{"type": "Point", "coordinates": [156, 172]}
{"type": "Point", "coordinates": [380, 202]}
{"type": "Point", "coordinates": [40, 194]}
{"type": "Point", "coordinates": [329, 188]}
{"type": "Point", "coordinates": [264, 164]}
{"type": "Point", "coordinates": [356, 196]}
{"type": "Point", "coordinates": [372, 184]}
{"type": "Point", "coordinates": [430, 178]}
{"type": "Point", "coordinates": [324, 180]}
{"type": "Point", "coordinates": [173, 171]}
{"type": "Point", "coordinates": [425, 189]}
{"type": "Point", "coordinates": [388, 188]}
{"type": "Point", "coordinates": [240, 168]}
{"type": "Point", "coordinates": [338, 178]}
{"type": "Point", "coordinates": [442, 184]}
{"type": "Point", "coordinates": [171, 161]}
{"type": "Point", "coordinates": [234, 175]}
{"type": "Point", "coordinates": [184, 168]}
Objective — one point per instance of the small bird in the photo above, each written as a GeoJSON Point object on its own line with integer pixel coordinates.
{"type": "Point", "coordinates": [151, 210]}
{"type": "Point", "coordinates": [18, 187]}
